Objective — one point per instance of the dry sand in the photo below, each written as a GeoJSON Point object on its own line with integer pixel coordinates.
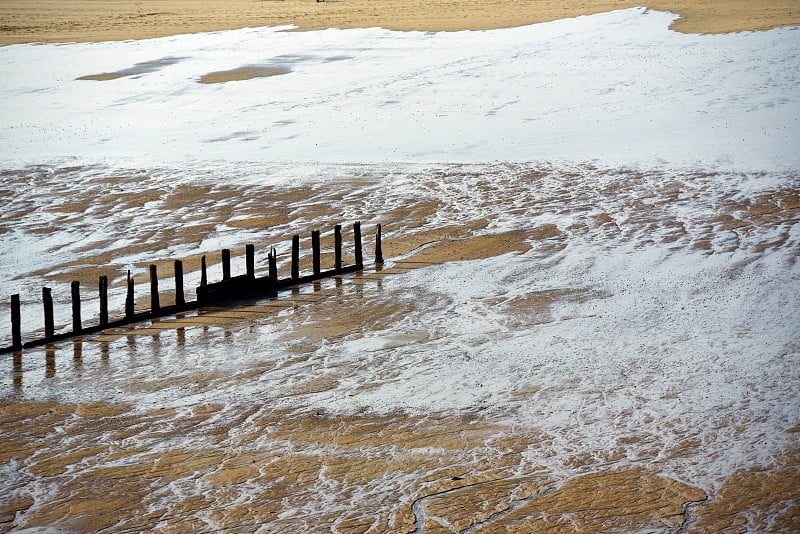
{"type": "Point", "coordinates": [23, 21]}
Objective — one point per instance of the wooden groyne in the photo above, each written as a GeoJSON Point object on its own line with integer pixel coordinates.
{"type": "Point", "coordinates": [228, 290]}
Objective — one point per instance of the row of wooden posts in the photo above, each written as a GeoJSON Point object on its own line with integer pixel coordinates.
{"type": "Point", "coordinates": [229, 289]}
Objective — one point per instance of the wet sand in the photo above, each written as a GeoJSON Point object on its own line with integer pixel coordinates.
{"type": "Point", "coordinates": [240, 465]}
{"type": "Point", "coordinates": [403, 474]}
{"type": "Point", "coordinates": [110, 20]}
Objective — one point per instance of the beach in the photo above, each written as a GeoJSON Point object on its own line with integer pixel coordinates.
{"type": "Point", "coordinates": [576, 329]}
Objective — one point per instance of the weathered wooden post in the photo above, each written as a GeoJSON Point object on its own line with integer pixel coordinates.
{"type": "Point", "coordinates": [203, 273]}
{"type": "Point", "coordinates": [295, 257]}
{"type": "Point", "coordinates": [226, 264]}
{"type": "Point", "coordinates": [357, 240]}
{"type": "Point", "coordinates": [103, 300]}
{"type": "Point", "coordinates": [273, 265]}
{"type": "Point", "coordinates": [154, 304]}
{"type": "Point", "coordinates": [16, 323]}
{"type": "Point", "coordinates": [129, 303]}
{"type": "Point", "coordinates": [378, 249]}
{"type": "Point", "coordinates": [179, 299]}
{"type": "Point", "coordinates": [76, 306]}
{"type": "Point", "coordinates": [47, 300]}
{"type": "Point", "coordinates": [315, 252]}
{"type": "Point", "coordinates": [337, 247]}
{"type": "Point", "coordinates": [250, 257]}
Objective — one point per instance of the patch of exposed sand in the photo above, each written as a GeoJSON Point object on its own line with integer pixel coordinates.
{"type": "Point", "coordinates": [244, 73]}
{"type": "Point", "coordinates": [108, 20]}
{"type": "Point", "coordinates": [136, 70]}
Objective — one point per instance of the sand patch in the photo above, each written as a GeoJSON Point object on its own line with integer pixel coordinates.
{"type": "Point", "coordinates": [9, 509]}
{"type": "Point", "coordinates": [134, 71]}
{"type": "Point", "coordinates": [472, 248]}
{"type": "Point", "coordinates": [755, 500]}
{"type": "Point", "coordinates": [248, 72]}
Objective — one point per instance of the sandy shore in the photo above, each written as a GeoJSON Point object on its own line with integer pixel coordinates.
{"type": "Point", "coordinates": [70, 20]}
{"type": "Point", "coordinates": [89, 466]}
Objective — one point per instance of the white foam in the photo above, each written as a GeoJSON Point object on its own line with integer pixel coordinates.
{"type": "Point", "coordinates": [616, 87]}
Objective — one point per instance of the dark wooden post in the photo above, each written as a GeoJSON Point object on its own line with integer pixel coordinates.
{"type": "Point", "coordinates": [378, 249]}
{"type": "Point", "coordinates": [337, 247]}
{"type": "Point", "coordinates": [103, 300]}
{"type": "Point", "coordinates": [203, 274]}
{"type": "Point", "coordinates": [295, 257]}
{"type": "Point", "coordinates": [179, 299]}
{"type": "Point", "coordinates": [47, 300]}
{"type": "Point", "coordinates": [76, 306]}
{"type": "Point", "coordinates": [16, 320]}
{"type": "Point", "coordinates": [357, 240]}
{"type": "Point", "coordinates": [250, 254]}
{"type": "Point", "coordinates": [273, 265]}
{"type": "Point", "coordinates": [154, 304]}
{"type": "Point", "coordinates": [226, 264]}
{"type": "Point", "coordinates": [129, 303]}
{"type": "Point", "coordinates": [315, 251]}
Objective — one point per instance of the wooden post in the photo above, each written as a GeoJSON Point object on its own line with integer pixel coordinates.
{"type": "Point", "coordinates": [103, 300]}
{"type": "Point", "coordinates": [315, 251]}
{"type": "Point", "coordinates": [129, 303]}
{"type": "Point", "coordinates": [357, 240]}
{"type": "Point", "coordinates": [16, 320]}
{"type": "Point", "coordinates": [226, 264]}
{"type": "Point", "coordinates": [378, 249]}
{"type": "Point", "coordinates": [250, 254]}
{"type": "Point", "coordinates": [337, 247]}
{"type": "Point", "coordinates": [273, 265]}
{"type": "Point", "coordinates": [154, 304]}
{"type": "Point", "coordinates": [295, 257]}
{"type": "Point", "coordinates": [76, 306]}
{"type": "Point", "coordinates": [179, 298]}
{"type": "Point", "coordinates": [47, 300]}
{"type": "Point", "coordinates": [203, 274]}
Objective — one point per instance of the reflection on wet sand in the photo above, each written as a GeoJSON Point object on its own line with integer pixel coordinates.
{"type": "Point", "coordinates": [50, 359]}
{"type": "Point", "coordinates": [17, 371]}
{"type": "Point", "coordinates": [77, 353]}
